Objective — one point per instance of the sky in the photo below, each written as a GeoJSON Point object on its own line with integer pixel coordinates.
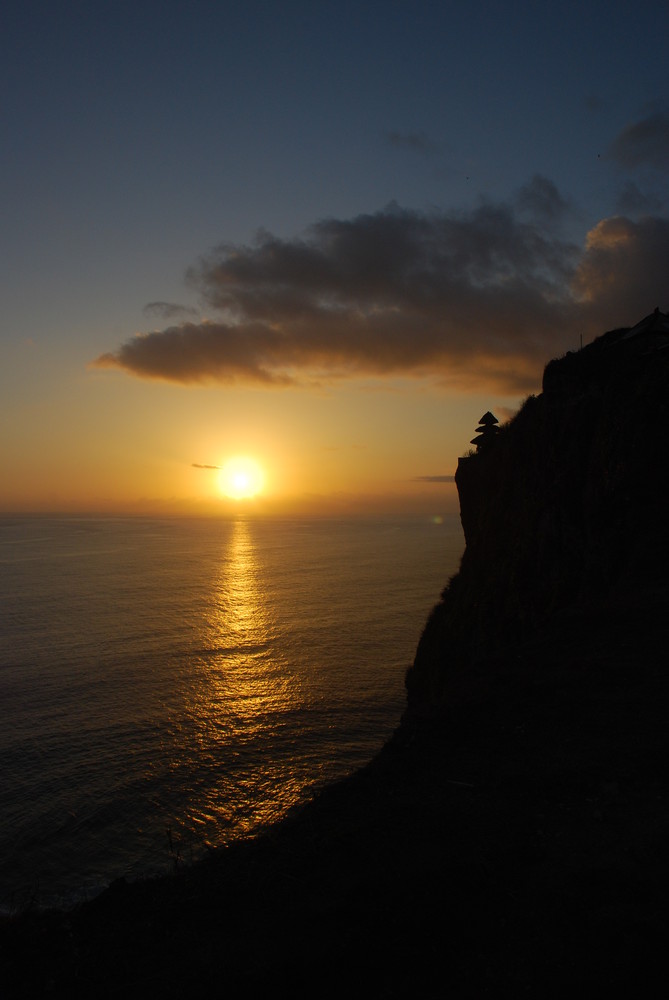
{"type": "Point", "coordinates": [323, 237]}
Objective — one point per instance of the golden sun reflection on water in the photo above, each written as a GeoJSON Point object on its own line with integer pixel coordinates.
{"type": "Point", "coordinates": [243, 693]}
{"type": "Point", "coordinates": [245, 677]}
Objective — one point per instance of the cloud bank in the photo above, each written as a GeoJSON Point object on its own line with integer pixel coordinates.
{"type": "Point", "coordinates": [474, 299]}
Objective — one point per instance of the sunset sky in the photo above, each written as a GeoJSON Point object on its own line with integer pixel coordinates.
{"type": "Point", "coordinates": [326, 237]}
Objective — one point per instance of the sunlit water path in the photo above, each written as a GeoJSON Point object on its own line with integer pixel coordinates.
{"type": "Point", "coordinates": [168, 684]}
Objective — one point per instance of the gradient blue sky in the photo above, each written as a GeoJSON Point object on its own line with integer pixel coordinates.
{"type": "Point", "coordinates": [418, 205]}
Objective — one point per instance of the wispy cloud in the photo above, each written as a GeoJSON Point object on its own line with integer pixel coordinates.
{"type": "Point", "coordinates": [414, 142]}
{"type": "Point", "coordinates": [168, 310]}
{"type": "Point", "coordinates": [472, 299]}
{"type": "Point", "coordinates": [644, 143]}
{"type": "Point", "coordinates": [595, 103]}
{"type": "Point", "coordinates": [434, 479]}
{"type": "Point", "coordinates": [542, 200]}
{"type": "Point", "coordinates": [633, 201]}
{"type": "Point", "coordinates": [196, 465]}
{"type": "Point", "coordinates": [642, 149]}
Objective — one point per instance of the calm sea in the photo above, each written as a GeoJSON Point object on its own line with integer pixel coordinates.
{"type": "Point", "coordinates": [171, 684]}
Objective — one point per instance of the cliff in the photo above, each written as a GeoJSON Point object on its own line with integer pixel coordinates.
{"type": "Point", "coordinates": [565, 511]}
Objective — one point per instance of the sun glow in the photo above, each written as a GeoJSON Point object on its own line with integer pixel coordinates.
{"type": "Point", "coordinates": [241, 478]}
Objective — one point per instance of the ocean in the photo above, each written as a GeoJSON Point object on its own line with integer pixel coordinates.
{"type": "Point", "coordinates": [168, 685]}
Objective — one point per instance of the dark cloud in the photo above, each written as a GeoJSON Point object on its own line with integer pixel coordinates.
{"type": "Point", "coordinates": [415, 142]}
{"type": "Point", "coordinates": [644, 143]}
{"type": "Point", "coordinates": [168, 310]}
{"type": "Point", "coordinates": [595, 104]}
{"type": "Point", "coordinates": [196, 465]}
{"type": "Point", "coordinates": [633, 201]}
{"type": "Point", "coordinates": [205, 352]}
{"type": "Point", "coordinates": [434, 479]}
{"type": "Point", "coordinates": [473, 299]}
{"type": "Point", "coordinates": [624, 271]}
{"type": "Point", "coordinates": [542, 200]}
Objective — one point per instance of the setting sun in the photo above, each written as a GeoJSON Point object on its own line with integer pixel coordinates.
{"type": "Point", "coordinates": [241, 478]}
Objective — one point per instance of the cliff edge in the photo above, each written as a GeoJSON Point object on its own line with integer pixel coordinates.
{"type": "Point", "coordinates": [564, 512]}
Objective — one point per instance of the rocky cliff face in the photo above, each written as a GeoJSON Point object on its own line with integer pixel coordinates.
{"type": "Point", "coordinates": [566, 510]}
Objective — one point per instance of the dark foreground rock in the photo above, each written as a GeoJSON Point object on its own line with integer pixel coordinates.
{"type": "Point", "coordinates": [517, 847]}
{"type": "Point", "coordinates": [512, 838]}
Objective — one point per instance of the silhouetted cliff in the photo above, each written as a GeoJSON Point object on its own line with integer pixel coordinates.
{"type": "Point", "coordinates": [565, 509]}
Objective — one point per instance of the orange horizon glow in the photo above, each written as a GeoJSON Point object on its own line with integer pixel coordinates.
{"type": "Point", "coordinates": [345, 451]}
